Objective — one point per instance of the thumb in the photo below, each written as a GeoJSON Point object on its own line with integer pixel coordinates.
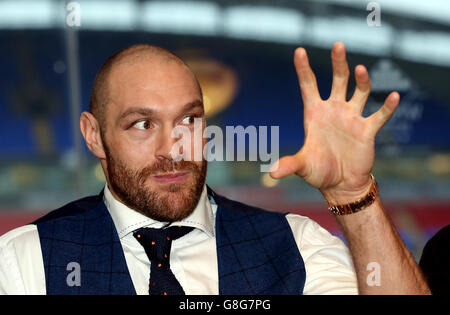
{"type": "Point", "coordinates": [289, 165]}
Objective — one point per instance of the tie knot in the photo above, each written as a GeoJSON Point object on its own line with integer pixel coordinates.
{"type": "Point", "coordinates": [157, 242]}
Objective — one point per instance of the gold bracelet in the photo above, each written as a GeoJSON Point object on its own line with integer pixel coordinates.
{"type": "Point", "coordinates": [358, 205]}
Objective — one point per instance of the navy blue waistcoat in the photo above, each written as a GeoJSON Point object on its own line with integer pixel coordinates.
{"type": "Point", "coordinates": [256, 250]}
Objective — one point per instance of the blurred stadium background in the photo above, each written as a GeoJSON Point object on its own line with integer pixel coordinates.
{"type": "Point", "coordinates": [242, 53]}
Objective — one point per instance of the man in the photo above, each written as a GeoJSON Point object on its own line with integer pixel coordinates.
{"type": "Point", "coordinates": [157, 228]}
{"type": "Point", "coordinates": [435, 260]}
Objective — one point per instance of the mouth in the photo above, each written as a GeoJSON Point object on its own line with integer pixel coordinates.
{"type": "Point", "coordinates": [171, 178]}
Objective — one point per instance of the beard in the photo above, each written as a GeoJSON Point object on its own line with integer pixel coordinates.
{"type": "Point", "coordinates": [166, 202]}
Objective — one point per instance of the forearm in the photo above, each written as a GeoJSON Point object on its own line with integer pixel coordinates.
{"type": "Point", "coordinates": [372, 238]}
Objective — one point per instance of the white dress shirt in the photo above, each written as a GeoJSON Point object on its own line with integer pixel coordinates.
{"type": "Point", "coordinates": [193, 258]}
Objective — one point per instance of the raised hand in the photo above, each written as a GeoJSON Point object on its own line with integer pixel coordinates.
{"type": "Point", "coordinates": [339, 148]}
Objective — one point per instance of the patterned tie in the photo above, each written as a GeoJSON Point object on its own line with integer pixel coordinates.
{"type": "Point", "coordinates": [157, 244]}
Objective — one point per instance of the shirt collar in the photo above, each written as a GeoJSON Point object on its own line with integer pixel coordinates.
{"type": "Point", "coordinates": [126, 220]}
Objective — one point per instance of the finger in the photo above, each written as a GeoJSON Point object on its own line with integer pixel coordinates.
{"type": "Point", "coordinates": [380, 117]}
{"type": "Point", "coordinates": [340, 72]}
{"type": "Point", "coordinates": [306, 77]}
{"type": "Point", "coordinates": [288, 165]}
{"type": "Point", "coordinates": [362, 90]}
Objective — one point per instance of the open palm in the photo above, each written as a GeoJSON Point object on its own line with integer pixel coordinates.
{"type": "Point", "coordinates": [339, 148]}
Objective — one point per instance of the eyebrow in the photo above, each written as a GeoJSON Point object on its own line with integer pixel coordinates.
{"type": "Point", "coordinates": [142, 111]}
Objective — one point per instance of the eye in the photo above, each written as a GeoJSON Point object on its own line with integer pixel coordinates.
{"type": "Point", "coordinates": [188, 120]}
{"type": "Point", "coordinates": [143, 125]}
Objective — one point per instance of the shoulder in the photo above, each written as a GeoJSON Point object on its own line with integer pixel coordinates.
{"type": "Point", "coordinates": [20, 242]}
{"type": "Point", "coordinates": [27, 233]}
{"type": "Point", "coordinates": [21, 267]}
{"type": "Point", "coordinates": [309, 232]}
{"type": "Point", "coordinates": [74, 208]}
{"type": "Point", "coordinates": [240, 209]}
{"type": "Point", "coordinates": [24, 234]}
{"type": "Point", "coordinates": [305, 230]}
{"type": "Point", "coordinates": [25, 239]}
{"type": "Point", "coordinates": [312, 239]}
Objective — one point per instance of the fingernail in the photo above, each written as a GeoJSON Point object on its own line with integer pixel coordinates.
{"type": "Point", "coordinates": [274, 167]}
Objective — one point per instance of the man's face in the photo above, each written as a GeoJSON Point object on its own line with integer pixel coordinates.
{"type": "Point", "coordinates": [147, 100]}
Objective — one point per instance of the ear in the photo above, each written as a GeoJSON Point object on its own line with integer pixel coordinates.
{"type": "Point", "coordinates": [91, 132]}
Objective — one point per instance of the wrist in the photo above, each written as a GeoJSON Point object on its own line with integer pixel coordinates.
{"type": "Point", "coordinates": [348, 201]}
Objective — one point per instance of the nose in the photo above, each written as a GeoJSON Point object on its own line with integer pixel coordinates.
{"type": "Point", "coordinates": [165, 143]}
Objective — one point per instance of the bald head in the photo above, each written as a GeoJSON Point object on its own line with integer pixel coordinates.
{"type": "Point", "coordinates": [143, 53]}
